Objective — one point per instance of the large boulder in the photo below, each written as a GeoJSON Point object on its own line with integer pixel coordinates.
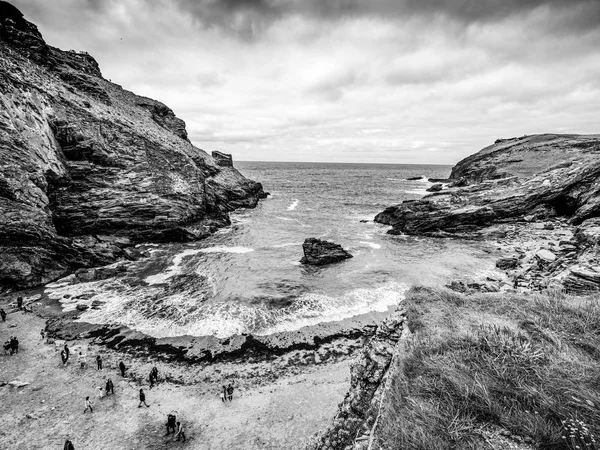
{"type": "Point", "coordinates": [318, 252]}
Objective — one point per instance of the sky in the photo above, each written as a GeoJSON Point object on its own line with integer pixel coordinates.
{"type": "Point", "coordinates": [380, 81]}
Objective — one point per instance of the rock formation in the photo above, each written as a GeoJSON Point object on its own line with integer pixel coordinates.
{"type": "Point", "coordinates": [318, 252]}
{"type": "Point", "coordinates": [89, 169]}
{"type": "Point", "coordinates": [358, 412]}
{"type": "Point", "coordinates": [548, 181]}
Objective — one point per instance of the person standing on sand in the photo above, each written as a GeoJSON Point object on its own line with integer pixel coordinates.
{"type": "Point", "coordinates": [3, 315]}
{"type": "Point", "coordinates": [154, 374]}
{"type": "Point", "coordinates": [122, 368]}
{"type": "Point", "coordinates": [143, 399]}
{"type": "Point", "coordinates": [224, 394]}
{"type": "Point", "coordinates": [180, 432]}
{"type": "Point", "coordinates": [99, 362]}
{"type": "Point", "coordinates": [19, 302]}
{"type": "Point", "coordinates": [81, 358]}
{"type": "Point", "coordinates": [110, 387]}
{"type": "Point", "coordinates": [151, 380]}
{"type": "Point", "coordinates": [67, 353]}
{"type": "Point", "coordinates": [68, 445]}
{"type": "Point", "coordinates": [63, 357]}
{"type": "Point", "coordinates": [230, 392]}
{"type": "Point", "coordinates": [171, 419]}
{"type": "Point", "coordinates": [88, 404]}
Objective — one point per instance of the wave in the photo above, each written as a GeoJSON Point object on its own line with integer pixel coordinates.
{"type": "Point", "coordinates": [288, 244]}
{"type": "Point", "coordinates": [417, 191]}
{"type": "Point", "coordinates": [371, 244]}
{"type": "Point", "coordinates": [173, 269]}
{"type": "Point", "coordinates": [226, 250]}
{"type": "Point", "coordinates": [293, 205]}
{"type": "Point", "coordinates": [183, 314]}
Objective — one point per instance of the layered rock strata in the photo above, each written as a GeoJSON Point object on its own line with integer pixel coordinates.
{"type": "Point", "coordinates": [546, 180]}
{"type": "Point", "coordinates": [89, 169]}
{"type": "Point", "coordinates": [357, 414]}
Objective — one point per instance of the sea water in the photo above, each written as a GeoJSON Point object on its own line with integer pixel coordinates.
{"type": "Point", "coordinates": [247, 278]}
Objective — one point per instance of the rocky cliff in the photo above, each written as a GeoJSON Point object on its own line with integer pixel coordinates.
{"type": "Point", "coordinates": [548, 180]}
{"type": "Point", "coordinates": [89, 169]}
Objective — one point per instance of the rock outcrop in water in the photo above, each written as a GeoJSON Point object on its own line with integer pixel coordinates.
{"type": "Point", "coordinates": [318, 252]}
{"type": "Point", "coordinates": [89, 169]}
{"type": "Point", "coordinates": [547, 180]}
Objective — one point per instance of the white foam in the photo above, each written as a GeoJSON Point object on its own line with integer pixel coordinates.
{"type": "Point", "coordinates": [226, 250]}
{"type": "Point", "coordinates": [173, 269]}
{"type": "Point", "coordinates": [417, 191]}
{"type": "Point", "coordinates": [293, 205]}
{"type": "Point", "coordinates": [371, 244]}
{"type": "Point", "coordinates": [312, 309]}
{"type": "Point", "coordinates": [182, 314]}
{"type": "Point", "coordinates": [288, 244]}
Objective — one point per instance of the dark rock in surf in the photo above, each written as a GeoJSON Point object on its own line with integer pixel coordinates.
{"type": "Point", "coordinates": [414, 178]}
{"type": "Point", "coordinates": [435, 188]}
{"type": "Point", "coordinates": [318, 252]}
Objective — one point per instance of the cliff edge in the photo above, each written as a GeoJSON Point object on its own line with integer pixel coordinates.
{"type": "Point", "coordinates": [89, 169]}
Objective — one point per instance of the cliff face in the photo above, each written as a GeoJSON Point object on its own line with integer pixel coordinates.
{"type": "Point", "coordinates": [88, 168]}
{"type": "Point", "coordinates": [518, 184]}
{"type": "Point", "coordinates": [537, 176]}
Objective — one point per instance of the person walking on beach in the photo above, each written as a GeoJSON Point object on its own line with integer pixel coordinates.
{"type": "Point", "coordinates": [122, 368]}
{"type": "Point", "coordinates": [68, 445]}
{"type": "Point", "coordinates": [99, 362]}
{"type": "Point", "coordinates": [3, 315]}
{"type": "Point", "coordinates": [88, 404]}
{"type": "Point", "coordinates": [171, 419]}
{"type": "Point", "coordinates": [151, 380]}
{"type": "Point", "coordinates": [154, 374]}
{"type": "Point", "coordinates": [230, 392]}
{"type": "Point", "coordinates": [19, 302]}
{"type": "Point", "coordinates": [63, 356]}
{"type": "Point", "coordinates": [67, 353]}
{"type": "Point", "coordinates": [14, 345]}
{"type": "Point", "coordinates": [110, 387]}
{"type": "Point", "coordinates": [42, 334]}
{"type": "Point", "coordinates": [143, 399]}
{"type": "Point", "coordinates": [224, 394]}
{"type": "Point", "coordinates": [180, 432]}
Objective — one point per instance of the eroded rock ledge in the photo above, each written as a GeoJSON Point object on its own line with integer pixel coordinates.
{"type": "Point", "coordinates": [90, 169]}
{"type": "Point", "coordinates": [358, 412]}
{"type": "Point", "coordinates": [512, 187]}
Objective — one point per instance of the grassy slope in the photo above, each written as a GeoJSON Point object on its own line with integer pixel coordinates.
{"type": "Point", "coordinates": [517, 364]}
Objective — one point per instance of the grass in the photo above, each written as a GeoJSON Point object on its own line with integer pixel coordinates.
{"type": "Point", "coordinates": [524, 368]}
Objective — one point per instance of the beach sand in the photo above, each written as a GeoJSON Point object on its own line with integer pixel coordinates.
{"type": "Point", "coordinates": [268, 411]}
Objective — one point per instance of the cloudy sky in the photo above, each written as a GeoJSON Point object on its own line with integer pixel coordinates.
{"type": "Point", "coordinates": [394, 81]}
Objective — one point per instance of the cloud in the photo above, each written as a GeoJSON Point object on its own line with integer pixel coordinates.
{"type": "Point", "coordinates": [346, 80]}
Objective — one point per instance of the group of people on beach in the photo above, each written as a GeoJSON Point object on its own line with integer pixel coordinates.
{"type": "Point", "coordinates": [11, 346]}
{"type": "Point", "coordinates": [227, 392]}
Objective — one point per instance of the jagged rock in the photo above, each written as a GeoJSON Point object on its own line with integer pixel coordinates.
{"type": "Point", "coordinates": [546, 256]}
{"type": "Point", "coordinates": [318, 252]}
{"type": "Point", "coordinates": [357, 412]}
{"type": "Point", "coordinates": [588, 233]}
{"type": "Point", "coordinates": [435, 188]}
{"type": "Point", "coordinates": [90, 169]}
{"type": "Point", "coordinates": [582, 279]}
{"type": "Point", "coordinates": [222, 159]}
{"type": "Point", "coordinates": [82, 307]}
{"type": "Point", "coordinates": [564, 182]}
{"type": "Point", "coordinates": [507, 263]}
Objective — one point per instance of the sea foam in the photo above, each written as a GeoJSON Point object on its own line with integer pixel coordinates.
{"type": "Point", "coordinates": [293, 205]}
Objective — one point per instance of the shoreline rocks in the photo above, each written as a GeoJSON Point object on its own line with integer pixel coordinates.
{"type": "Point", "coordinates": [90, 169]}
{"type": "Point", "coordinates": [318, 252]}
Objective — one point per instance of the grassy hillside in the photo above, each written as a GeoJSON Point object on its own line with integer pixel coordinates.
{"type": "Point", "coordinates": [495, 371]}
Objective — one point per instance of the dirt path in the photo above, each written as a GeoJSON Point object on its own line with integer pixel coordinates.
{"type": "Point", "coordinates": [281, 414]}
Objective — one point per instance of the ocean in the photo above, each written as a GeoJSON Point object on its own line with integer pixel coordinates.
{"type": "Point", "coordinates": [247, 278]}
